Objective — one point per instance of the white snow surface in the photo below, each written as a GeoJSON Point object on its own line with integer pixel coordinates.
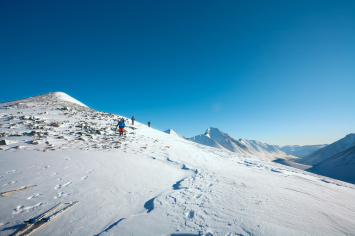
{"type": "Point", "coordinates": [330, 150]}
{"type": "Point", "coordinates": [300, 151]}
{"type": "Point", "coordinates": [340, 166]}
{"type": "Point", "coordinates": [172, 132]}
{"type": "Point", "coordinates": [54, 97]}
{"type": "Point", "coordinates": [206, 140]}
{"type": "Point", "coordinates": [66, 97]}
{"type": "Point", "coordinates": [150, 182]}
{"type": "Point", "coordinates": [213, 137]}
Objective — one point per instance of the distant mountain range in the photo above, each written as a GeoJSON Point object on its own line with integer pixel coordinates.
{"type": "Point", "coordinates": [70, 152]}
{"type": "Point", "coordinates": [213, 137]}
{"type": "Point", "coordinates": [300, 151]}
{"type": "Point", "coordinates": [336, 160]}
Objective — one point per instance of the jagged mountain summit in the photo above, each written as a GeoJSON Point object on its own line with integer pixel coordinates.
{"type": "Point", "coordinates": [330, 150]}
{"type": "Point", "coordinates": [215, 138]}
{"type": "Point", "coordinates": [205, 140]}
{"type": "Point", "coordinates": [148, 182]}
{"type": "Point", "coordinates": [300, 151]}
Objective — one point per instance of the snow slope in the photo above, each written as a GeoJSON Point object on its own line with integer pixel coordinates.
{"type": "Point", "coordinates": [150, 182]}
{"type": "Point", "coordinates": [66, 97]}
{"type": "Point", "coordinates": [300, 151]}
{"type": "Point", "coordinates": [330, 150]}
{"type": "Point", "coordinates": [172, 132]}
{"type": "Point", "coordinates": [340, 166]}
{"type": "Point", "coordinates": [213, 137]}
{"type": "Point", "coordinates": [55, 97]}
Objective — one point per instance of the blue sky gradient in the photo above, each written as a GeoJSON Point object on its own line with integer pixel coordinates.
{"type": "Point", "coordinates": [279, 72]}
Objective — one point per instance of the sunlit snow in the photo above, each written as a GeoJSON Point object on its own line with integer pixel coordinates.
{"type": "Point", "coordinates": [150, 182]}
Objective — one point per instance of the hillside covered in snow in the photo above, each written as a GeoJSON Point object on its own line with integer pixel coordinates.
{"type": "Point", "coordinates": [336, 160]}
{"type": "Point", "coordinates": [213, 137]}
{"type": "Point", "coordinates": [150, 182]}
{"type": "Point", "coordinates": [340, 166]}
{"type": "Point", "coordinates": [330, 150]}
{"type": "Point", "coordinates": [172, 132]}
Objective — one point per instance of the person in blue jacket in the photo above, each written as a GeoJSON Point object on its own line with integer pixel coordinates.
{"type": "Point", "coordinates": [121, 126]}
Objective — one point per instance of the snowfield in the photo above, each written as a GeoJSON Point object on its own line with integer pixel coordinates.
{"type": "Point", "coordinates": [150, 182]}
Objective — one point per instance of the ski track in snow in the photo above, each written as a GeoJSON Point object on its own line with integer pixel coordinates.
{"type": "Point", "coordinates": [149, 205]}
{"type": "Point", "coordinates": [206, 202]}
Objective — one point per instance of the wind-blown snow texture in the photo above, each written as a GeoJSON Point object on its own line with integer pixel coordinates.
{"type": "Point", "coordinates": [213, 137]}
{"type": "Point", "coordinates": [151, 183]}
{"type": "Point", "coordinates": [300, 151]}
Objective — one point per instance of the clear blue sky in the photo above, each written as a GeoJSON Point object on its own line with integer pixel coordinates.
{"type": "Point", "coordinates": [281, 72]}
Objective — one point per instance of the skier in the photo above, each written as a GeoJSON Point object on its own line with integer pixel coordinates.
{"type": "Point", "coordinates": [121, 126]}
{"type": "Point", "coordinates": [133, 119]}
{"type": "Point", "coordinates": [149, 123]}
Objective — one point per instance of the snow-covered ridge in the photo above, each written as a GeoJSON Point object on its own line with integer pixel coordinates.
{"type": "Point", "coordinates": [172, 132]}
{"type": "Point", "coordinates": [48, 98]}
{"type": "Point", "coordinates": [215, 138]}
{"type": "Point", "coordinates": [340, 166]}
{"type": "Point", "coordinates": [66, 97]}
{"type": "Point", "coordinates": [151, 183]}
{"type": "Point", "coordinates": [330, 150]}
{"type": "Point", "coordinates": [55, 121]}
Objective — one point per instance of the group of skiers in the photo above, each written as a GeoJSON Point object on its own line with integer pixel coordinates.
{"type": "Point", "coordinates": [121, 125]}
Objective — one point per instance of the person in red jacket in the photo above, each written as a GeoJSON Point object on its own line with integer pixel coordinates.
{"type": "Point", "coordinates": [121, 126]}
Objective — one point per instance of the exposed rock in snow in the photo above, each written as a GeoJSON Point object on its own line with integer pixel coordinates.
{"type": "Point", "coordinates": [3, 142]}
{"type": "Point", "coordinates": [330, 150]}
{"type": "Point", "coordinates": [300, 151]}
{"type": "Point", "coordinates": [149, 183]}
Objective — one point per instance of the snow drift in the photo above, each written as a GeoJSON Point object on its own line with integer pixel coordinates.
{"type": "Point", "coordinates": [150, 182]}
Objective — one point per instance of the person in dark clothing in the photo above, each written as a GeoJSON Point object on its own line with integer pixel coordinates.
{"type": "Point", "coordinates": [121, 125]}
{"type": "Point", "coordinates": [149, 123]}
{"type": "Point", "coordinates": [133, 119]}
